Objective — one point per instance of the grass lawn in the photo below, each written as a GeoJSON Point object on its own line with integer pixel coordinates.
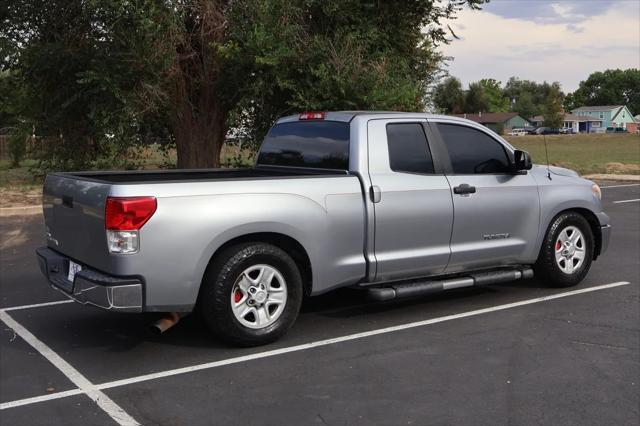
{"type": "Point", "coordinates": [586, 154]}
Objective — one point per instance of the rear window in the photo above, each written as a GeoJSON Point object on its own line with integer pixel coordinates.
{"type": "Point", "coordinates": [315, 144]}
{"type": "Point", "coordinates": [408, 149]}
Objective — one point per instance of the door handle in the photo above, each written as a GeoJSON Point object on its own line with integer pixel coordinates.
{"type": "Point", "coordinates": [464, 188]}
{"type": "Point", "coordinates": [375, 194]}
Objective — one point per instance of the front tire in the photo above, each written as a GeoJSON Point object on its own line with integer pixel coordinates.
{"type": "Point", "coordinates": [251, 294]}
{"type": "Point", "coordinates": [567, 251]}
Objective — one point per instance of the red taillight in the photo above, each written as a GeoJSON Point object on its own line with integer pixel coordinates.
{"type": "Point", "coordinates": [128, 213]}
{"type": "Point", "coordinates": [311, 116]}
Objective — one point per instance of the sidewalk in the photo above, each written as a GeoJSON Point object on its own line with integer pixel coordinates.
{"type": "Point", "coordinates": [20, 210]}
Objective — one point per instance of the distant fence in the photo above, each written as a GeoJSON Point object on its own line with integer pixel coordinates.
{"type": "Point", "coordinates": [4, 147]}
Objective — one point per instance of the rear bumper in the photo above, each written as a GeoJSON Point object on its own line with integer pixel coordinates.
{"type": "Point", "coordinates": [89, 286]}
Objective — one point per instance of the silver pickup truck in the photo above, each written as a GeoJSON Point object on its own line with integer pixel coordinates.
{"type": "Point", "coordinates": [397, 204]}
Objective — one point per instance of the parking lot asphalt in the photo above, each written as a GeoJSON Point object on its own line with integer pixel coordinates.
{"type": "Point", "coordinates": [516, 353]}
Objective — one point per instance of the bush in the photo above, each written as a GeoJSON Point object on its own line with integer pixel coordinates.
{"type": "Point", "coordinates": [17, 149]}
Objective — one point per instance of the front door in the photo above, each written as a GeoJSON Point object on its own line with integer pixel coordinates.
{"type": "Point", "coordinates": [497, 212]}
{"type": "Point", "coordinates": [412, 201]}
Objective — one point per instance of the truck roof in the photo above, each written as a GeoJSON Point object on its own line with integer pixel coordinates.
{"type": "Point", "coordinates": [347, 116]}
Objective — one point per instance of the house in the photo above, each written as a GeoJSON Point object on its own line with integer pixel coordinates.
{"type": "Point", "coordinates": [578, 123]}
{"type": "Point", "coordinates": [611, 115]}
{"type": "Point", "coordinates": [499, 122]}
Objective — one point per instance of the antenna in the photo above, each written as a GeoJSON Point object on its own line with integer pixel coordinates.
{"type": "Point", "coordinates": [546, 151]}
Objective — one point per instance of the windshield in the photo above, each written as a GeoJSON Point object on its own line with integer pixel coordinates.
{"type": "Point", "coordinates": [315, 144]}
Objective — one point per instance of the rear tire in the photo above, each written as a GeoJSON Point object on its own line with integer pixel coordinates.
{"type": "Point", "coordinates": [251, 294]}
{"type": "Point", "coordinates": [567, 251]}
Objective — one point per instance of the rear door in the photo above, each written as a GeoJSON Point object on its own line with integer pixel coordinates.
{"type": "Point", "coordinates": [497, 212]}
{"type": "Point", "coordinates": [411, 199]}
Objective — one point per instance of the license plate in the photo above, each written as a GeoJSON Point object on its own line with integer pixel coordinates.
{"type": "Point", "coordinates": [74, 268]}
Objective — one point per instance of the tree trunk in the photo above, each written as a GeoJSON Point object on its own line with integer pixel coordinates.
{"type": "Point", "coordinates": [198, 110]}
{"type": "Point", "coordinates": [199, 139]}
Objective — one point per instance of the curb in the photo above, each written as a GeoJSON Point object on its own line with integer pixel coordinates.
{"type": "Point", "coordinates": [20, 211]}
{"type": "Point", "coordinates": [608, 176]}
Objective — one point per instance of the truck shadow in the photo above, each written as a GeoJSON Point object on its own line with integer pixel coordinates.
{"type": "Point", "coordinates": [339, 312]}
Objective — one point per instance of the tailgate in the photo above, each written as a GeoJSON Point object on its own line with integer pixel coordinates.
{"type": "Point", "coordinates": [74, 218]}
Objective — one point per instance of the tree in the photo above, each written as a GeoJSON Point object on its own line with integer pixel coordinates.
{"type": "Point", "coordinates": [611, 87]}
{"type": "Point", "coordinates": [104, 73]}
{"type": "Point", "coordinates": [553, 112]}
{"type": "Point", "coordinates": [9, 96]}
{"type": "Point", "coordinates": [449, 96]}
{"type": "Point", "coordinates": [528, 98]}
{"type": "Point", "coordinates": [81, 72]}
{"type": "Point", "coordinates": [497, 101]}
{"type": "Point", "coordinates": [324, 55]}
{"type": "Point", "coordinates": [525, 107]}
{"type": "Point", "coordinates": [476, 99]}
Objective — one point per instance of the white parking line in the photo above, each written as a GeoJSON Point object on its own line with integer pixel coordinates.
{"type": "Point", "coordinates": [41, 398]}
{"type": "Point", "coordinates": [627, 201]}
{"type": "Point", "coordinates": [37, 305]}
{"type": "Point", "coordinates": [311, 345]}
{"type": "Point", "coordinates": [84, 385]}
{"type": "Point", "coordinates": [621, 186]}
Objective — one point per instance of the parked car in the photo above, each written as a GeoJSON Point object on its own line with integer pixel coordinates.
{"type": "Point", "coordinates": [396, 204]}
{"type": "Point", "coordinates": [616, 130]}
{"type": "Point", "coordinates": [566, 130]}
{"type": "Point", "coordinates": [517, 132]}
{"type": "Point", "coordinates": [547, 131]}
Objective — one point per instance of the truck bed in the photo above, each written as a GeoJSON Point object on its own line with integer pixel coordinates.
{"type": "Point", "coordinates": [200, 210]}
{"type": "Point", "coordinates": [164, 176]}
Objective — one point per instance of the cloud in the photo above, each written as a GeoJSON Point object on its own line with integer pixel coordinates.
{"type": "Point", "coordinates": [575, 29]}
{"type": "Point", "coordinates": [499, 47]}
{"type": "Point", "coordinates": [550, 11]}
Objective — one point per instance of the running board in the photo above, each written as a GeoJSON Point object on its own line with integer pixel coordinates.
{"type": "Point", "coordinates": [416, 288]}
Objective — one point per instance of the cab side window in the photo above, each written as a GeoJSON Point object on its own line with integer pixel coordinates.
{"type": "Point", "coordinates": [473, 151]}
{"type": "Point", "coordinates": [408, 149]}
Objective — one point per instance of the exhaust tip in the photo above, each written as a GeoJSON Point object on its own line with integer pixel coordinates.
{"type": "Point", "coordinates": [165, 323]}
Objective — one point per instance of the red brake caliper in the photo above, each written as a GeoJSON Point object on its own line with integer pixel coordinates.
{"type": "Point", "coordinates": [238, 296]}
{"type": "Point", "coordinates": [558, 245]}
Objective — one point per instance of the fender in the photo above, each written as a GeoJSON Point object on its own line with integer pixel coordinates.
{"type": "Point", "coordinates": [570, 194]}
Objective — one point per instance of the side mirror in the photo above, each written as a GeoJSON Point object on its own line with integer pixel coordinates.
{"type": "Point", "coordinates": [522, 160]}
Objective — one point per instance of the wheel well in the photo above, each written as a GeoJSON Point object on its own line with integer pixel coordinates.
{"type": "Point", "coordinates": [594, 224]}
{"type": "Point", "coordinates": [292, 247]}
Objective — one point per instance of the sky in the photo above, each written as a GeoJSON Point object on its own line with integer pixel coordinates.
{"type": "Point", "coordinates": [545, 40]}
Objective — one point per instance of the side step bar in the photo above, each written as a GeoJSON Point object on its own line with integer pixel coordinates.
{"type": "Point", "coordinates": [406, 290]}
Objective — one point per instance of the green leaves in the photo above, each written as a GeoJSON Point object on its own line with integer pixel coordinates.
{"type": "Point", "coordinates": [336, 55]}
{"type": "Point", "coordinates": [100, 77]}
{"type": "Point", "coordinates": [553, 114]}
{"type": "Point", "coordinates": [449, 97]}
{"type": "Point", "coordinates": [82, 67]}
{"type": "Point", "coordinates": [495, 98]}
